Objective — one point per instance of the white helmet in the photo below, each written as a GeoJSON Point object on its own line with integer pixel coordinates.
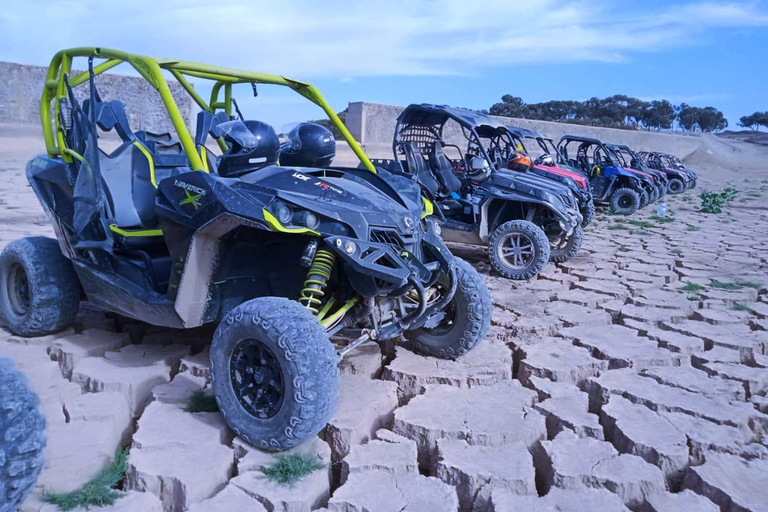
{"type": "Point", "coordinates": [545, 159]}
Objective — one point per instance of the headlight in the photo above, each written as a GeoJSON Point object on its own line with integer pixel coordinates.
{"type": "Point", "coordinates": [307, 219]}
{"type": "Point", "coordinates": [350, 247]}
{"type": "Point", "coordinates": [284, 214]}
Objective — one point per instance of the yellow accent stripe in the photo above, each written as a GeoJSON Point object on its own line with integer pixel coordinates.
{"type": "Point", "coordinates": [275, 224]}
{"type": "Point", "coordinates": [327, 322]}
{"type": "Point", "coordinates": [140, 232]}
{"type": "Point", "coordinates": [204, 158]}
{"type": "Point", "coordinates": [429, 207]}
{"type": "Point", "coordinates": [151, 162]}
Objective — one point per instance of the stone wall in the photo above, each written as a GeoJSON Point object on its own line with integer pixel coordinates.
{"type": "Point", "coordinates": [21, 87]}
{"type": "Point", "coordinates": [373, 125]}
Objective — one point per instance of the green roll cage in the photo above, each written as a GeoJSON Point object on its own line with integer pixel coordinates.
{"type": "Point", "coordinates": [151, 70]}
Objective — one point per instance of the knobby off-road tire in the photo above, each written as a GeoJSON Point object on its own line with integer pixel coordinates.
{"type": "Point", "coordinates": [22, 438]}
{"type": "Point", "coordinates": [466, 321]}
{"type": "Point", "coordinates": [529, 238]}
{"type": "Point", "coordinates": [282, 343]}
{"type": "Point", "coordinates": [675, 186]}
{"type": "Point", "coordinates": [570, 249]}
{"type": "Point", "coordinates": [588, 214]}
{"type": "Point", "coordinates": [625, 201]}
{"type": "Point", "coordinates": [644, 199]}
{"type": "Point", "coordinates": [39, 289]}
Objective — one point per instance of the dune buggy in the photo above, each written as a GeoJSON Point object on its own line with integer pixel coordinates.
{"type": "Point", "coordinates": [282, 258]}
{"type": "Point", "coordinates": [512, 140]}
{"type": "Point", "coordinates": [633, 161]}
{"type": "Point", "coordinates": [624, 190]}
{"type": "Point", "coordinates": [679, 178]}
{"type": "Point", "coordinates": [525, 220]}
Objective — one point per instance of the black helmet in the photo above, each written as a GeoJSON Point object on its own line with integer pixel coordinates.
{"type": "Point", "coordinates": [309, 145]}
{"type": "Point", "coordinates": [252, 145]}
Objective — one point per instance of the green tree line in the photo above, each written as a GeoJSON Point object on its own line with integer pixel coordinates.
{"type": "Point", "coordinates": [616, 111]}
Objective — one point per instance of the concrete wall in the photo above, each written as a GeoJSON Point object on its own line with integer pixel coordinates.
{"type": "Point", "coordinates": [373, 125]}
{"type": "Point", "coordinates": [21, 87]}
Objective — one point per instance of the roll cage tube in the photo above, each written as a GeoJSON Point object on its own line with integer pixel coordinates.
{"type": "Point", "coordinates": [151, 70]}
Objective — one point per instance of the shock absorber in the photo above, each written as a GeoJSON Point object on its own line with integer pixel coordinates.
{"type": "Point", "coordinates": [317, 278]}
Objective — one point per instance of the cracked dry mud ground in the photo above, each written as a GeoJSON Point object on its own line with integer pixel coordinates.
{"type": "Point", "coordinates": [602, 385]}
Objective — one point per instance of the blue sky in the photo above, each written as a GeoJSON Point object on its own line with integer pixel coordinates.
{"type": "Point", "coordinates": [457, 52]}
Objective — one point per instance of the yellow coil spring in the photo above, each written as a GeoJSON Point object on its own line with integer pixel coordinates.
{"type": "Point", "coordinates": [317, 278]}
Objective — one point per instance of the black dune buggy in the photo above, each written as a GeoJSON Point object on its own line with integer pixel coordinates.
{"type": "Point", "coordinates": [282, 258]}
{"type": "Point", "coordinates": [625, 190]}
{"type": "Point", "coordinates": [545, 166]}
{"type": "Point", "coordinates": [679, 177]}
{"type": "Point", "coordinates": [630, 159]}
{"type": "Point", "coordinates": [525, 220]}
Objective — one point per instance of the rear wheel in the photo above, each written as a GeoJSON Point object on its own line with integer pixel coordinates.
{"type": "Point", "coordinates": [587, 213]}
{"type": "Point", "coordinates": [518, 249]}
{"type": "Point", "coordinates": [568, 248]}
{"type": "Point", "coordinates": [22, 438]}
{"type": "Point", "coordinates": [675, 186]}
{"type": "Point", "coordinates": [274, 373]}
{"type": "Point", "coordinates": [39, 289]}
{"type": "Point", "coordinates": [464, 321]}
{"type": "Point", "coordinates": [625, 201]}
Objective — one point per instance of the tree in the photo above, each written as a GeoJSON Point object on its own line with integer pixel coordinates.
{"type": "Point", "coordinates": [688, 117]}
{"type": "Point", "coordinates": [712, 120]}
{"type": "Point", "coordinates": [510, 106]}
{"type": "Point", "coordinates": [754, 121]}
{"type": "Point", "coordinates": [750, 122]}
{"type": "Point", "coordinates": [658, 114]}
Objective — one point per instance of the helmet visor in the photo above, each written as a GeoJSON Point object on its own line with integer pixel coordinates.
{"type": "Point", "coordinates": [239, 133]}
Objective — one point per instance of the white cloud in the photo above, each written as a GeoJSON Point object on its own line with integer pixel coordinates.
{"type": "Point", "coordinates": [347, 39]}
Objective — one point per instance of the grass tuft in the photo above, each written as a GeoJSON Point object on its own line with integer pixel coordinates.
{"type": "Point", "coordinates": [289, 469]}
{"type": "Point", "coordinates": [692, 228]}
{"type": "Point", "coordinates": [98, 492]}
{"type": "Point", "coordinates": [677, 251]}
{"type": "Point", "coordinates": [750, 284]}
{"type": "Point", "coordinates": [623, 248]}
{"type": "Point", "coordinates": [642, 223]}
{"type": "Point", "coordinates": [201, 402]}
{"type": "Point", "coordinates": [720, 285]}
{"type": "Point", "coordinates": [692, 287]}
{"type": "Point", "coordinates": [738, 306]}
{"type": "Point", "coordinates": [614, 227]}
{"type": "Point", "coordinates": [695, 298]}
{"type": "Point", "coordinates": [665, 220]}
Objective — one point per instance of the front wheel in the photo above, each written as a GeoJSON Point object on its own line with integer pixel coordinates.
{"type": "Point", "coordinates": [464, 321]}
{"type": "Point", "coordinates": [644, 199]}
{"type": "Point", "coordinates": [568, 248]}
{"type": "Point", "coordinates": [518, 249]}
{"type": "Point", "coordinates": [625, 201]}
{"type": "Point", "coordinates": [675, 186]}
{"type": "Point", "coordinates": [274, 373]}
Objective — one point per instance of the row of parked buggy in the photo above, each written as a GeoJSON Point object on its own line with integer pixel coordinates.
{"type": "Point", "coordinates": [516, 190]}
